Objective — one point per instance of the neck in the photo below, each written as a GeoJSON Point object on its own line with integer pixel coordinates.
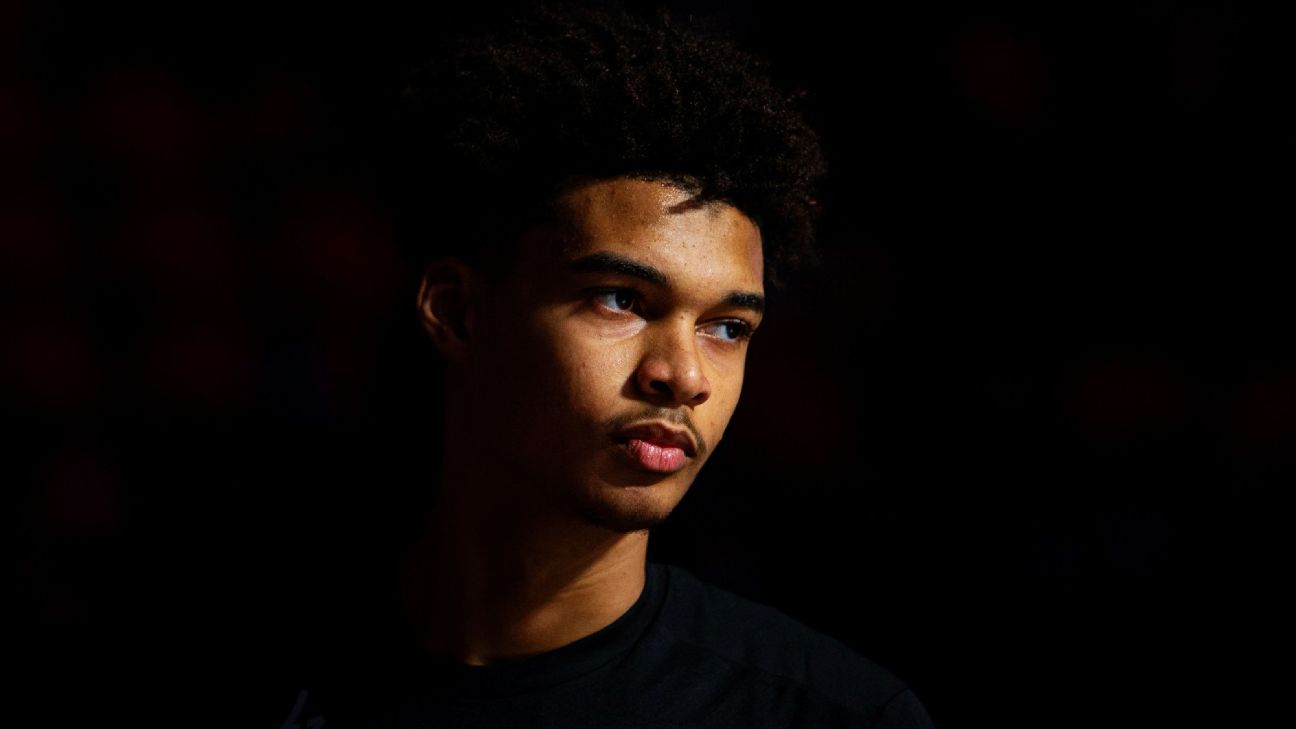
{"type": "Point", "coordinates": [495, 578]}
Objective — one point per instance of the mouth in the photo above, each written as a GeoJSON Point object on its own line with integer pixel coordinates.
{"type": "Point", "coordinates": [653, 456]}
{"type": "Point", "coordinates": [655, 447]}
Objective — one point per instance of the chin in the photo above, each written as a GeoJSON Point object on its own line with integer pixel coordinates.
{"type": "Point", "coordinates": [633, 505]}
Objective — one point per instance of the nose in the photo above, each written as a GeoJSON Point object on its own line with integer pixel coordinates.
{"type": "Point", "coordinates": [670, 372]}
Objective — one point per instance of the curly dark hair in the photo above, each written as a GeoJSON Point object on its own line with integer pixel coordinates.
{"type": "Point", "coordinates": [495, 126]}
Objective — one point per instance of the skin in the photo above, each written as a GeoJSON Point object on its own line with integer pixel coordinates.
{"type": "Point", "coordinates": [539, 536]}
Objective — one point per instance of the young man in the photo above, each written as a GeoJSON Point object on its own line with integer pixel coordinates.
{"type": "Point", "coordinates": [598, 201]}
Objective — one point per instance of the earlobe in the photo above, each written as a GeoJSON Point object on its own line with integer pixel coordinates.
{"type": "Point", "coordinates": [443, 306]}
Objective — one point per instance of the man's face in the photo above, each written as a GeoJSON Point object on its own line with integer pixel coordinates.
{"type": "Point", "coordinates": [620, 329]}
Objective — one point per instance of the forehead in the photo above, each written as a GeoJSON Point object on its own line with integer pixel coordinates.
{"type": "Point", "coordinates": [658, 224]}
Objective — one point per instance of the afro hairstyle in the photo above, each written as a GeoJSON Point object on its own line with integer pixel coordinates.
{"type": "Point", "coordinates": [496, 125]}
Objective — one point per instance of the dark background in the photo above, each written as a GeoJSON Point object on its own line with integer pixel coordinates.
{"type": "Point", "coordinates": [1019, 441]}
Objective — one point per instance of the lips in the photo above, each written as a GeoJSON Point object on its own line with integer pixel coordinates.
{"type": "Point", "coordinates": [656, 447]}
{"type": "Point", "coordinates": [659, 435]}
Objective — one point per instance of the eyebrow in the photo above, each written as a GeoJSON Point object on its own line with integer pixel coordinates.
{"type": "Point", "coordinates": [606, 262]}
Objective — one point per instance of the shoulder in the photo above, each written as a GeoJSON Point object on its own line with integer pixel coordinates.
{"type": "Point", "coordinates": [764, 639]}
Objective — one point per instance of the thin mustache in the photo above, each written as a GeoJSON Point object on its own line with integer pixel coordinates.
{"type": "Point", "coordinates": [671, 417]}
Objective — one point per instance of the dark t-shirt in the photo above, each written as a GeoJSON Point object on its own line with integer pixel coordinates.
{"type": "Point", "coordinates": [686, 654]}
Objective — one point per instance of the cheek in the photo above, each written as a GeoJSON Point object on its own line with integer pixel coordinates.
{"type": "Point", "coordinates": [727, 371]}
{"type": "Point", "coordinates": [593, 372]}
{"type": "Point", "coordinates": [569, 372]}
{"type": "Point", "coordinates": [565, 404]}
{"type": "Point", "coordinates": [726, 390]}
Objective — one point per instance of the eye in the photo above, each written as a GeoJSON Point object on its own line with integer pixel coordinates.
{"type": "Point", "coordinates": [731, 330]}
{"type": "Point", "coordinates": [617, 299]}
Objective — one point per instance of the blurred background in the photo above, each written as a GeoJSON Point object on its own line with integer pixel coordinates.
{"type": "Point", "coordinates": [1020, 440]}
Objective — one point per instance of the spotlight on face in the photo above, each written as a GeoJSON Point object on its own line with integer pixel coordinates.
{"type": "Point", "coordinates": [605, 364]}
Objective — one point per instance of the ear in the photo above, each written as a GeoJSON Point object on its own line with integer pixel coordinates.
{"type": "Point", "coordinates": [443, 305]}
